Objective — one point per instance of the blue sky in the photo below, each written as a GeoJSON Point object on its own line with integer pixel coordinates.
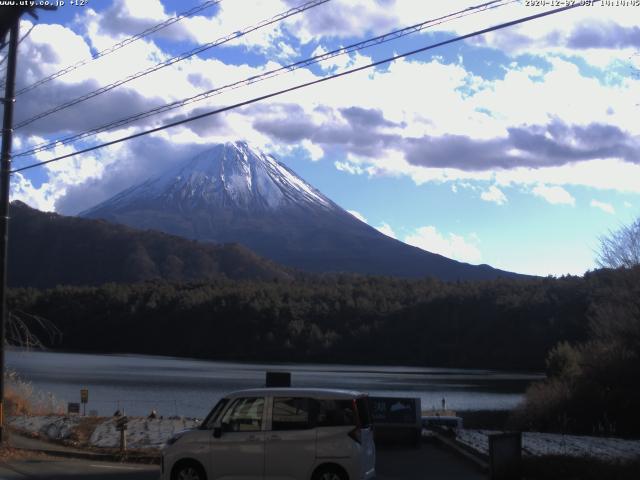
{"type": "Point", "coordinates": [517, 149]}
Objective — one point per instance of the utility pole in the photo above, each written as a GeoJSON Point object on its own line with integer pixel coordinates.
{"type": "Point", "coordinates": [5, 169]}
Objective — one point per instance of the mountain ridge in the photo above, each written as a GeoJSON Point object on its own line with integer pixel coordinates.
{"type": "Point", "coordinates": [236, 193]}
{"type": "Point", "coordinates": [47, 249]}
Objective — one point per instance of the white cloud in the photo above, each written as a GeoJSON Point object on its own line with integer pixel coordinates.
{"type": "Point", "coordinates": [386, 229]}
{"type": "Point", "coordinates": [62, 175]}
{"type": "Point", "coordinates": [554, 195]}
{"type": "Point", "coordinates": [349, 167]}
{"type": "Point", "coordinates": [43, 198]}
{"type": "Point", "coordinates": [315, 151]}
{"type": "Point", "coordinates": [605, 207]}
{"type": "Point", "coordinates": [338, 62]}
{"type": "Point", "coordinates": [628, 204]}
{"type": "Point", "coordinates": [601, 174]}
{"type": "Point", "coordinates": [495, 195]}
{"type": "Point", "coordinates": [483, 109]}
{"type": "Point", "coordinates": [451, 246]}
{"type": "Point", "coordinates": [358, 215]}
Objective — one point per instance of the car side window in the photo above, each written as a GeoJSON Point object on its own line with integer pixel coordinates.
{"type": "Point", "coordinates": [290, 413]}
{"type": "Point", "coordinates": [244, 415]}
{"type": "Point", "coordinates": [336, 413]}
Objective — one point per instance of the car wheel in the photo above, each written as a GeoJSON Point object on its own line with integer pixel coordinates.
{"type": "Point", "coordinates": [330, 473]}
{"type": "Point", "coordinates": [189, 471]}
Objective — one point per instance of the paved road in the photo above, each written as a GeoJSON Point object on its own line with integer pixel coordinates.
{"type": "Point", "coordinates": [41, 467]}
{"type": "Point", "coordinates": [428, 461]}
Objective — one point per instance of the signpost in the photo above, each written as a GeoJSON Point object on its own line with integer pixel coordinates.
{"type": "Point", "coordinates": [73, 408]}
{"type": "Point", "coordinates": [84, 399]}
{"type": "Point", "coordinates": [121, 426]}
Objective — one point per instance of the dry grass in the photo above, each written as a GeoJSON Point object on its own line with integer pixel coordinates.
{"type": "Point", "coordinates": [21, 398]}
{"type": "Point", "coordinates": [9, 454]}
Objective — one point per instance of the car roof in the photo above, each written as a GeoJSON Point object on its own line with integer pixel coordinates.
{"type": "Point", "coordinates": [298, 392]}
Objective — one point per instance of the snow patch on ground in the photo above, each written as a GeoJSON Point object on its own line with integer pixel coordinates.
{"type": "Point", "coordinates": [55, 427]}
{"type": "Point", "coordinates": [141, 432]}
{"type": "Point", "coordinates": [153, 433]}
{"type": "Point", "coordinates": [540, 444]}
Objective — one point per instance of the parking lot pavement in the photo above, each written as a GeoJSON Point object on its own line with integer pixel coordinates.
{"type": "Point", "coordinates": [427, 461]}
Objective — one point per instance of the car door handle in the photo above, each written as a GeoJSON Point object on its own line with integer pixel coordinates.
{"type": "Point", "coordinates": [275, 437]}
{"type": "Point", "coordinates": [252, 438]}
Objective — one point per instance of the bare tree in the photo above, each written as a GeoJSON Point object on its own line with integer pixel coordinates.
{"type": "Point", "coordinates": [29, 331]}
{"type": "Point", "coordinates": [620, 248]}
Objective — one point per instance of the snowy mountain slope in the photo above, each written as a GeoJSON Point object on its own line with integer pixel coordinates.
{"type": "Point", "coordinates": [236, 193]}
{"type": "Point", "coordinates": [230, 175]}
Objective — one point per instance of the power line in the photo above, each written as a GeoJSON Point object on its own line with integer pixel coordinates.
{"type": "Point", "coordinates": [394, 35]}
{"type": "Point", "coordinates": [119, 45]}
{"type": "Point", "coordinates": [171, 61]}
{"type": "Point", "coordinates": [4, 59]}
{"type": "Point", "coordinates": [20, 41]}
{"type": "Point", "coordinates": [302, 85]}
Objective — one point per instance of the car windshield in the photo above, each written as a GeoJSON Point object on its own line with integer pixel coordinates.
{"type": "Point", "coordinates": [210, 420]}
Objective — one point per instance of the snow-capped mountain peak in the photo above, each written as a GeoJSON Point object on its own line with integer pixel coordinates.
{"type": "Point", "coordinates": [232, 174]}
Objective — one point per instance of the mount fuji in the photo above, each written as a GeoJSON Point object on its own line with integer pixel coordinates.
{"type": "Point", "coordinates": [236, 193]}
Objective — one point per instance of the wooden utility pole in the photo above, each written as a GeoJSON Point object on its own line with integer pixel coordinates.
{"type": "Point", "coordinates": [5, 169]}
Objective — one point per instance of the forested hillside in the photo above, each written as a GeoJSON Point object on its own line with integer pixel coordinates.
{"type": "Point", "coordinates": [47, 249]}
{"type": "Point", "coordinates": [501, 323]}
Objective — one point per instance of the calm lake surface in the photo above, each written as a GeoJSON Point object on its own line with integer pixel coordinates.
{"type": "Point", "coordinates": [186, 387]}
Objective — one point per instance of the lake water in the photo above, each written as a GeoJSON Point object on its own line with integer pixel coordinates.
{"type": "Point", "coordinates": [187, 387]}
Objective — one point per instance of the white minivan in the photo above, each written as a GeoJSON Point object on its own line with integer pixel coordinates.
{"type": "Point", "coordinates": [277, 434]}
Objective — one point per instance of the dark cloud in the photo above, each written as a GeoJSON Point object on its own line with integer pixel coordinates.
{"type": "Point", "coordinates": [144, 158]}
{"type": "Point", "coordinates": [211, 125]}
{"type": "Point", "coordinates": [35, 63]}
{"type": "Point", "coordinates": [95, 112]}
{"type": "Point", "coordinates": [288, 123]}
{"type": "Point", "coordinates": [559, 143]}
{"type": "Point", "coordinates": [366, 117]}
{"type": "Point", "coordinates": [604, 35]}
{"type": "Point", "coordinates": [291, 124]}
{"type": "Point", "coordinates": [348, 19]}
{"type": "Point", "coordinates": [456, 151]}
{"type": "Point", "coordinates": [116, 21]}
{"type": "Point", "coordinates": [540, 146]}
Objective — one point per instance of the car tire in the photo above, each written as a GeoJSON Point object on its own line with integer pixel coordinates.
{"type": "Point", "coordinates": [188, 471]}
{"type": "Point", "coordinates": [329, 472]}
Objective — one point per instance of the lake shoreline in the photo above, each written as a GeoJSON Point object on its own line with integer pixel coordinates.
{"type": "Point", "coordinates": [175, 386]}
{"type": "Point", "coordinates": [360, 366]}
